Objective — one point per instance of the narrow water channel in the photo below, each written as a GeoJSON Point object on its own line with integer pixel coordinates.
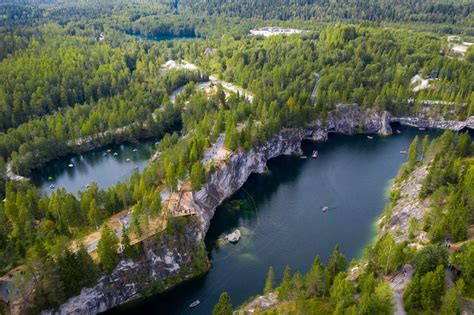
{"type": "Point", "coordinates": [281, 221]}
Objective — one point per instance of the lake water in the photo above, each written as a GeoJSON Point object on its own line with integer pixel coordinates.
{"type": "Point", "coordinates": [279, 216]}
{"type": "Point", "coordinates": [101, 166]}
{"type": "Point", "coordinates": [160, 38]}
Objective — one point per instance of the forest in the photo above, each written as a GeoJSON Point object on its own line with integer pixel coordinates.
{"type": "Point", "coordinates": [73, 74]}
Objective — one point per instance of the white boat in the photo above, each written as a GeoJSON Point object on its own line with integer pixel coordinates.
{"type": "Point", "coordinates": [324, 208]}
{"type": "Point", "coordinates": [194, 304]}
{"type": "Point", "coordinates": [51, 186]}
{"type": "Point", "coordinates": [71, 165]}
{"type": "Point", "coordinates": [422, 128]}
{"type": "Point", "coordinates": [134, 150]}
{"type": "Point", "coordinates": [303, 157]}
{"type": "Point", "coordinates": [403, 152]}
{"type": "Point", "coordinates": [315, 154]}
{"type": "Point", "coordinates": [398, 131]}
{"type": "Point", "coordinates": [128, 160]}
{"type": "Point", "coordinates": [115, 153]}
{"type": "Point", "coordinates": [370, 137]}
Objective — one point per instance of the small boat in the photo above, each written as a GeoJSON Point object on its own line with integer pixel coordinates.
{"type": "Point", "coordinates": [157, 142]}
{"type": "Point", "coordinates": [324, 208]}
{"type": "Point", "coordinates": [109, 150]}
{"type": "Point", "coordinates": [115, 153]}
{"type": "Point", "coordinates": [87, 186]}
{"type": "Point", "coordinates": [422, 128]}
{"type": "Point", "coordinates": [315, 154]}
{"type": "Point", "coordinates": [104, 154]}
{"type": "Point", "coordinates": [128, 160]}
{"type": "Point", "coordinates": [71, 165]}
{"type": "Point", "coordinates": [370, 137]}
{"type": "Point", "coordinates": [50, 177]}
{"type": "Point", "coordinates": [134, 150]}
{"type": "Point", "coordinates": [194, 304]}
{"type": "Point", "coordinates": [51, 186]}
{"type": "Point", "coordinates": [403, 152]}
{"type": "Point", "coordinates": [303, 157]}
{"type": "Point", "coordinates": [398, 131]}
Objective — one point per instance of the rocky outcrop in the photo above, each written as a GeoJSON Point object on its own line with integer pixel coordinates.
{"type": "Point", "coordinates": [350, 119]}
{"type": "Point", "coordinates": [166, 257]}
{"type": "Point", "coordinates": [408, 205]}
{"type": "Point", "coordinates": [229, 177]}
{"type": "Point", "coordinates": [455, 125]}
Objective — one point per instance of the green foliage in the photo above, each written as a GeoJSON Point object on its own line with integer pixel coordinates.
{"type": "Point", "coordinates": [197, 176]}
{"type": "Point", "coordinates": [107, 248]}
{"type": "Point", "coordinates": [269, 281]}
{"type": "Point", "coordinates": [337, 264]}
{"type": "Point", "coordinates": [412, 154]}
{"type": "Point", "coordinates": [224, 306]}
{"type": "Point", "coordinates": [430, 257]}
{"type": "Point", "coordinates": [376, 298]}
{"type": "Point", "coordinates": [285, 285]}
{"type": "Point", "coordinates": [342, 292]}
{"type": "Point", "coordinates": [451, 301]}
{"type": "Point", "coordinates": [424, 291]}
{"type": "Point", "coordinates": [463, 259]}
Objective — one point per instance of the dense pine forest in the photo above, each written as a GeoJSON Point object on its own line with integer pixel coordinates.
{"type": "Point", "coordinates": [76, 75]}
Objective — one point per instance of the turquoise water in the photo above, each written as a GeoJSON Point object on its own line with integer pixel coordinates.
{"type": "Point", "coordinates": [281, 222]}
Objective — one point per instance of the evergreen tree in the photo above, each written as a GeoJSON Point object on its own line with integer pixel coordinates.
{"type": "Point", "coordinates": [224, 306]}
{"type": "Point", "coordinates": [337, 263]}
{"type": "Point", "coordinates": [107, 248]}
{"type": "Point", "coordinates": [269, 282]}
{"type": "Point", "coordinates": [197, 176]}
{"type": "Point", "coordinates": [412, 154]}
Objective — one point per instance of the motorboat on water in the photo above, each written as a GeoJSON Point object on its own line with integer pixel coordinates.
{"type": "Point", "coordinates": [370, 137]}
{"type": "Point", "coordinates": [422, 128]}
{"type": "Point", "coordinates": [315, 154]}
{"type": "Point", "coordinates": [324, 208]}
{"type": "Point", "coordinates": [403, 152]}
{"type": "Point", "coordinates": [194, 304]}
{"type": "Point", "coordinates": [398, 131]}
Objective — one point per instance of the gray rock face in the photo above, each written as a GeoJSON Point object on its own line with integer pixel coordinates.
{"type": "Point", "coordinates": [350, 119]}
{"type": "Point", "coordinates": [439, 124]}
{"type": "Point", "coordinates": [164, 257]}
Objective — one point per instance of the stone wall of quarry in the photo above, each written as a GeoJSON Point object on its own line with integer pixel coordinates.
{"type": "Point", "coordinates": [171, 255]}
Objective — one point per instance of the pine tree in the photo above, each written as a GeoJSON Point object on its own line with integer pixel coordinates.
{"type": "Point", "coordinates": [197, 176]}
{"type": "Point", "coordinates": [412, 154]}
{"type": "Point", "coordinates": [107, 248]}
{"type": "Point", "coordinates": [224, 306]}
{"type": "Point", "coordinates": [336, 264]}
{"type": "Point", "coordinates": [269, 282]}
{"type": "Point", "coordinates": [424, 146]}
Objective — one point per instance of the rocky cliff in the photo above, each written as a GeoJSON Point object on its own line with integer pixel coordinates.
{"type": "Point", "coordinates": [171, 258]}
{"type": "Point", "coordinates": [350, 119]}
